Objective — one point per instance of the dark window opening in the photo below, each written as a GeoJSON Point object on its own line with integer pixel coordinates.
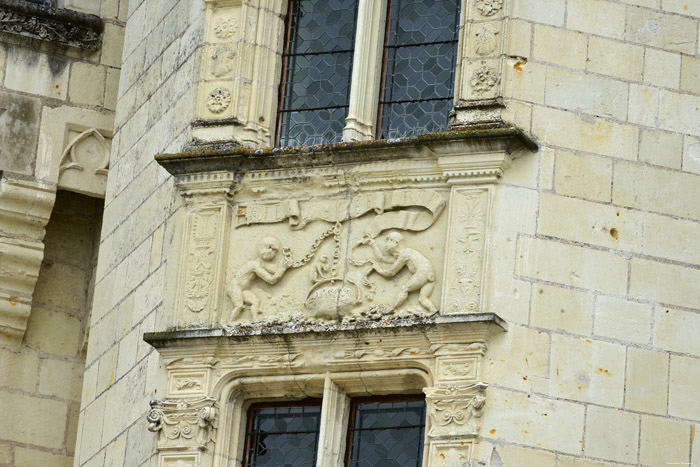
{"type": "Point", "coordinates": [420, 54]}
{"type": "Point", "coordinates": [316, 71]}
{"type": "Point", "coordinates": [283, 434]}
{"type": "Point", "coordinates": [386, 432]}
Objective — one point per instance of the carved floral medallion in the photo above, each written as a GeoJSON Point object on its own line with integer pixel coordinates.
{"type": "Point", "coordinates": [218, 100]}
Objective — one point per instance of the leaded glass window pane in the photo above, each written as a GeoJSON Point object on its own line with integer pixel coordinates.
{"type": "Point", "coordinates": [387, 433]}
{"type": "Point", "coordinates": [420, 55]}
{"type": "Point", "coordinates": [317, 71]}
{"type": "Point", "coordinates": [283, 435]}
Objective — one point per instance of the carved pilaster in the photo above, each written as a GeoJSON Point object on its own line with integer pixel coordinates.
{"type": "Point", "coordinates": [241, 68]}
{"type": "Point", "coordinates": [455, 412]}
{"type": "Point", "coordinates": [25, 207]}
{"type": "Point", "coordinates": [478, 92]}
{"type": "Point", "coordinates": [466, 242]}
{"type": "Point", "coordinates": [184, 424]}
{"type": "Point", "coordinates": [205, 246]}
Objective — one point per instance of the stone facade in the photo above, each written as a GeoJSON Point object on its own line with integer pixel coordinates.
{"type": "Point", "coordinates": [549, 312]}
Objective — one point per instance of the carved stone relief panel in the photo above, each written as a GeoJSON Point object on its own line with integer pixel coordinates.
{"type": "Point", "coordinates": [337, 259]}
{"type": "Point", "coordinates": [85, 163]}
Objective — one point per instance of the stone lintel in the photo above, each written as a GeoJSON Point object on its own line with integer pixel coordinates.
{"type": "Point", "coordinates": [57, 25]}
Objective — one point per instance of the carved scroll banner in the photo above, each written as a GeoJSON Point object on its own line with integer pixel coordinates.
{"type": "Point", "coordinates": [391, 208]}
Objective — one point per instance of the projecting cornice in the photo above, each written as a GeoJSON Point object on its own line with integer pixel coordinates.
{"type": "Point", "coordinates": [481, 151]}
{"type": "Point", "coordinates": [57, 25]}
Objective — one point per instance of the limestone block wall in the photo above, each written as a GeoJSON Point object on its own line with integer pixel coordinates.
{"type": "Point", "coordinates": [593, 246]}
{"type": "Point", "coordinates": [40, 382]}
{"type": "Point", "coordinates": [154, 109]}
{"type": "Point", "coordinates": [597, 269]}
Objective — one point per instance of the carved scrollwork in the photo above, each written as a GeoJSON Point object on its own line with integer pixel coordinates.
{"type": "Point", "coordinates": [183, 423]}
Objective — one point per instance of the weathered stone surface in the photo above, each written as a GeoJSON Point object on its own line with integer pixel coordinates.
{"type": "Point", "coordinates": [562, 308]}
{"type": "Point", "coordinates": [647, 381]}
{"type": "Point", "coordinates": [20, 410]}
{"type": "Point", "coordinates": [611, 434]}
{"type": "Point", "coordinates": [682, 389]}
{"type": "Point", "coordinates": [623, 320]}
{"type": "Point", "coordinates": [586, 370]}
{"type": "Point", "coordinates": [19, 132]}
{"type": "Point", "coordinates": [664, 441]}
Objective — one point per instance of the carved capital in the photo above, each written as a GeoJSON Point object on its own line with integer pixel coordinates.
{"type": "Point", "coordinates": [455, 409]}
{"type": "Point", "coordinates": [184, 423]}
{"type": "Point", "coordinates": [206, 187]}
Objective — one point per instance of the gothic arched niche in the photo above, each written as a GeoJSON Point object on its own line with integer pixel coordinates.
{"type": "Point", "coordinates": [84, 164]}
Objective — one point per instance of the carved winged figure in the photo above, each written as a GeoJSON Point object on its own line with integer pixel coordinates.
{"type": "Point", "coordinates": [263, 267]}
{"type": "Point", "coordinates": [421, 269]}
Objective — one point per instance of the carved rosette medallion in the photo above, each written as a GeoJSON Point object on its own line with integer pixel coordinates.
{"type": "Point", "coordinates": [465, 259]}
{"type": "Point", "coordinates": [218, 100]}
{"type": "Point", "coordinates": [182, 424]}
{"type": "Point", "coordinates": [489, 7]}
{"type": "Point", "coordinates": [483, 79]}
{"type": "Point", "coordinates": [226, 28]}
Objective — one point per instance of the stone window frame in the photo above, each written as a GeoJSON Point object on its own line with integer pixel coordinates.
{"type": "Point", "coordinates": [336, 391]}
{"type": "Point", "coordinates": [242, 68]}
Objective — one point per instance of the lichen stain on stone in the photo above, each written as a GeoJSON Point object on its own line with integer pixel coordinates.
{"type": "Point", "coordinates": [518, 66]}
{"type": "Point", "coordinates": [614, 233]}
{"type": "Point", "coordinates": [56, 64]}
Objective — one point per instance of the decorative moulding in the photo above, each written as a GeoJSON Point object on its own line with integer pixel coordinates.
{"type": "Point", "coordinates": [57, 25]}
{"type": "Point", "coordinates": [25, 207]}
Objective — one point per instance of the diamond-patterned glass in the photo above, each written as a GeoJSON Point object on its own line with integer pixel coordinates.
{"type": "Point", "coordinates": [283, 436]}
{"type": "Point", "coordinates": [318, 69]}
{"type": "Point", "coordinates": [388, 434]}
{"type": "Point", "coordinates": [420, 61]}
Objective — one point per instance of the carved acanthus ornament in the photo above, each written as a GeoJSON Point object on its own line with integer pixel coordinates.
{"type": "Point", "coordinates": [184, 423]}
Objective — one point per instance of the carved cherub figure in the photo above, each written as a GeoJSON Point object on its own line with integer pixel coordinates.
{"type": "Point", "coordinates": [423, 274]}
{"type": "Point", "coordinates": [264, 267]}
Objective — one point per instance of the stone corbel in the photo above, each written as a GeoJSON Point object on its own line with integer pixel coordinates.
{"type": "Point", "coordinates": [25, 208]}
{"type": "Point", "coordinates": [184, 424]}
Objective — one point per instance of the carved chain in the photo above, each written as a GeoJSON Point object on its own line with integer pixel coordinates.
{"type": "Point", "coordinates": [335, 231]}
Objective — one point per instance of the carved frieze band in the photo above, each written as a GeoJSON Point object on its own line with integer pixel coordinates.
{"type": "Point", "coordinates": [56, 25]}
{"type": "Point", "coordinates": [184, 423]}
